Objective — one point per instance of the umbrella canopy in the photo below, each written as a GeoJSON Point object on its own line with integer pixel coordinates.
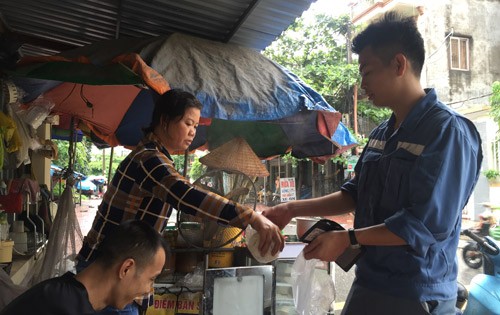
{"type": "Point", "coordinates": [102, 97]}
{"type": "Point", "coordinates": [243, 93]}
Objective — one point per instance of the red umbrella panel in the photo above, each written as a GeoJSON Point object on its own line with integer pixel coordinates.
{"type": "Point", "coordinates": [100, 96]}
{"type": "Point", "coordinates": [100, 107]}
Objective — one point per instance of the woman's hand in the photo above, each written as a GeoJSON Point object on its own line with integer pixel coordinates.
{"type": "Point", "coordinates": [327, 246]}
{"type": "Point", "coordinates": [279, 215]}
{"type": "Point", "coordinates": [269, 233]}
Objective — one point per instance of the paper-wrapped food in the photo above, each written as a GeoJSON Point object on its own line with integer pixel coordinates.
{"type": "Point", "coordinates": [253, 241]}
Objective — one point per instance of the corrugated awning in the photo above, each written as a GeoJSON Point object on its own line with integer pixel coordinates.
{"type": "Point", "coordinates": [47, 27]}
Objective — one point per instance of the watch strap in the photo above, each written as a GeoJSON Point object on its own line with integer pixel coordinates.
{"type": "Point", "coordinates": [352, 238]}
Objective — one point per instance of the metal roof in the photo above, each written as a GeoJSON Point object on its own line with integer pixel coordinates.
{"type": "Point", "coordinates": [47, 27]}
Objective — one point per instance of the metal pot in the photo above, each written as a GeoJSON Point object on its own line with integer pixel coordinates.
{"type": "Point", "coordinates": [304, 224]}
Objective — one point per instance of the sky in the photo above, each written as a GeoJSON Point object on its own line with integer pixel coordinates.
{"type": "Point", "coordinates": [332, 7]}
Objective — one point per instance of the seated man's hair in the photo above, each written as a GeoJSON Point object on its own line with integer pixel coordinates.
{"type": "Point", "coordinates": [390, 35]}
{"type": "Point", "coordinates": [131, 239]}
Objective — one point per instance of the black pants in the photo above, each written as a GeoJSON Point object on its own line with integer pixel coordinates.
{"type": "Point", "coordinates": [363, 301]}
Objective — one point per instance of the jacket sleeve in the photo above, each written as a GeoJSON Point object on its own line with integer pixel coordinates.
{"type": "Point", "coordinates": [441, 182]}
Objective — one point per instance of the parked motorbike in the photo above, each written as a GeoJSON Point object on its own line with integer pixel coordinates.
{"type": "Point", "coordinates": [471, 253]}
{"type": "Point", "coordinates": [483, 297]}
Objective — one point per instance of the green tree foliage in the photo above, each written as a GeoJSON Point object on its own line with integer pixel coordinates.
{"type": "Point", "coordinates": [196, 169]}
{"type": "Point", "coordinates": [376, 114]}
{"type": "Point", "coordinates": [495, 102]}
{"type": "Point", "coordinates": [82, 155]}
{"type": "Point", "coordinates": [96, 163]}
{"type": "Point", "coordinates": [179, 162]}
{"type": "Point", "coordinates": [317, 53]}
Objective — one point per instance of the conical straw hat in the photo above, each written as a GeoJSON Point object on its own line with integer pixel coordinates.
{"type": "Point", "coordinates": [235, 155]}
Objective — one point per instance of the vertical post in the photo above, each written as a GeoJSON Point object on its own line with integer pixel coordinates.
{"type": "Point", "coordinates": [314, 173]}
{"type": "Point", "coordinates": [279, 166]}
{"type": "Point", "coordinates": [186, 156]}
{"type": "Point", "coordinates": [355, 114]}
{"type": "Point", "coordinates": [104, 162]}
{"type": "Point", "coordinates": [110, 163]}
{"type": "Point", "coordinates": [355, 109]}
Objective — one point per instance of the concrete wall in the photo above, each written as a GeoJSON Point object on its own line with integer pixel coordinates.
{"type": "Point", "coordinates": [476, 19]}
{"type": "Point", "coordinates": [466, 91]}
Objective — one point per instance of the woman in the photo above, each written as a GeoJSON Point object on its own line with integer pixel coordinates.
{"type": "Point", "coordinates": [146, 185]}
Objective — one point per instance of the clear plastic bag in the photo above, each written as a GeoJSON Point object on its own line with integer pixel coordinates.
{"type": "Point", "coordinates": [193, 279]}
{"type": "Point", "coordinates": [312, 293]}
{"type": "Point", "coordinates": [8, 290]}
{"type": "Point", "coordinates": [37, 112]}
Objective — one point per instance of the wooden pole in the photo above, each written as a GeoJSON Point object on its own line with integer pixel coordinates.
{"type": "Point", "coordinates": [186, 156]}
{"type": "Point", "coordinates": [355, 109]}
{"type": "Point", "coordinates": [110, 163]}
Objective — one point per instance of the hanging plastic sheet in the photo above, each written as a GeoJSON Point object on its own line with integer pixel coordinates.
{"type": "Point", "coordinates": [65, 239]}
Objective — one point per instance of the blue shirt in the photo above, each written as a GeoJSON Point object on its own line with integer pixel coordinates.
{"type": "Point", "coordinates": [416, 180]}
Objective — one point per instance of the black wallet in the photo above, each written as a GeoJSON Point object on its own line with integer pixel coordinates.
{"type": "Point", "coordinates": [349, 257]}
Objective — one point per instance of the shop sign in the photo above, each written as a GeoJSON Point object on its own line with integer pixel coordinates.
{"type": "Point", "coordinates": [170, 304]}
{"type": "Point", "coordinates": [287, 189]}
{"type": "Point", "coordinates": [351, 163]}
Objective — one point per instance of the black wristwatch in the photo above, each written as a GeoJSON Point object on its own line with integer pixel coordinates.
{"type": "Point", "coordinates": [352, 238]}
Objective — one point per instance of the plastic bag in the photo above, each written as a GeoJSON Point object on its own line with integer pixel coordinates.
{"type": "Point", "coordinates": [312, 293]}
{"type": "Point", "coordinates": [8, 290]}
{"type": "Point", "coordinates": [37, 112]}
{"type": "Point", "coordinates": [193, 279]}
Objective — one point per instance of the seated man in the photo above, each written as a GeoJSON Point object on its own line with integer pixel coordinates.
{"type": "Point", "coordinates": [128, 262]}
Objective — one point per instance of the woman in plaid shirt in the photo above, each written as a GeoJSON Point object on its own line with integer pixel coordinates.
{"type": "Point", "coordinates": [146, 185]}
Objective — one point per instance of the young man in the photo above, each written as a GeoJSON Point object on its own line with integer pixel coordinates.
{"type": "Point", "coordinates": [128, 262]}
{"type": "Point", "coordinates": [411, 183]}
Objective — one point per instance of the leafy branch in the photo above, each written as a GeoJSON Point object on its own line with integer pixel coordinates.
{"type": "Point", "coordinates": [495, 102]}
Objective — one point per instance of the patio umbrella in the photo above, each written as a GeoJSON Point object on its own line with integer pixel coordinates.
{"type": "Point", "coordinates": [249, 96]}
{"type": "Point", "coordinates": [98, 96]}
{"type": "Point", "coordinates": [243, 93]}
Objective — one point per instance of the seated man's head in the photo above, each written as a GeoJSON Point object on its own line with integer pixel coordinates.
{"type": "Point", "coordinates": [391, 52]}
{"type": "Point", "coordinates": [136, 254]}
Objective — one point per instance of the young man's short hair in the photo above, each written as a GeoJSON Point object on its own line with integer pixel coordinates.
{"type": "Point", "coordinates": [390, 35]}
{"type": "Point", "coordinates": [131, 239]}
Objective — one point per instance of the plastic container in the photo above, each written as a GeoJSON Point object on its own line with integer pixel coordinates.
{"type": "Point", "coordinates": [6, 251]}
{"type": "Point", "coordinates": [224, 259]}
{"type": "Point", "coordinates": [220, 259]}
{"type": "Point", "coordinates": [170, 235]}
{"type": "Point", "coordinates": [304, 224]}
{"type": "Point", "coordinates": [4, 231]}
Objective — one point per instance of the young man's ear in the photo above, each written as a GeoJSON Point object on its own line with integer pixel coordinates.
{"type": "Point", "coordinates": [126, 267]}
{"type": "Point", "coordinates": [401, 64]}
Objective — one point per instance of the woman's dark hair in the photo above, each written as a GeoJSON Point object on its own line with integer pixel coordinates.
{"type": "Point", "coordinates": [131, 239]}
{"type": "Point", "coordinates": [171, 106]}
{"type": "Point", "coordinates": [390, 35]}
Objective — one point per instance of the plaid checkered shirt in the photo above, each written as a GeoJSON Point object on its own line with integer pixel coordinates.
{"type": "Point", "coordinates": [146, 186]}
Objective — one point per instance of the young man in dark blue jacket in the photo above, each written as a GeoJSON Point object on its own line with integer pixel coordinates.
{"type": "Point", "coordinates": [411, 183]}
